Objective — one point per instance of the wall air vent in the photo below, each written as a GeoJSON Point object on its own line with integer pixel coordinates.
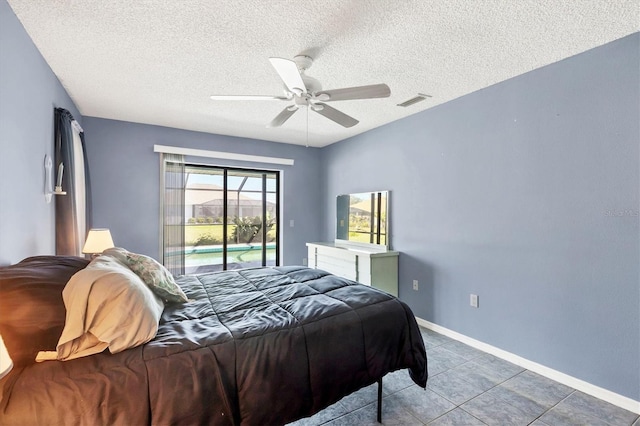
{"type": "Point", "coordinates": [421, 97]}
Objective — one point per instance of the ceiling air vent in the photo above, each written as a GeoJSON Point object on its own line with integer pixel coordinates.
{"type": "Point", "coordinates": [421, 97]}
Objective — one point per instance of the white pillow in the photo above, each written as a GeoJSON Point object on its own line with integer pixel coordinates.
{"type": "Point", "coordinates": [108, 306]}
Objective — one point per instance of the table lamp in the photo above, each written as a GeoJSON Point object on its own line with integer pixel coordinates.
{"type": "Point", "coordinates": [98, 240]}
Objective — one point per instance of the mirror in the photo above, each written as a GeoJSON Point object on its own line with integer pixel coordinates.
{"type": "Point", "coordinates": [362, 218]}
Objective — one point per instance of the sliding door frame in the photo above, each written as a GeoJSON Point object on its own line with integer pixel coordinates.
{"type": "Point", "coordinates": [263, 173]}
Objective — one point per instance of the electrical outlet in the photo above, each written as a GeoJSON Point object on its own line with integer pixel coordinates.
{"type": "Point", "coordinates": [291, 223]}
{"type": "Point", "coordinates": [415, 285]}
{"type": "Point", "coordinates": [473, 300]}
{"type": "Point", "coordinates": [304, 261]}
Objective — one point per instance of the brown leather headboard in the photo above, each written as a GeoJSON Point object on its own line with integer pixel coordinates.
{"type": "Point", "coordinates": [32, 312]}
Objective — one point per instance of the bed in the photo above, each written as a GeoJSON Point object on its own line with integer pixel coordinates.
{"type": "Point", "coordinates": [254, 346]}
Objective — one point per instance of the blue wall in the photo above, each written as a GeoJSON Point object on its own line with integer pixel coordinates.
{"type": "Point", "coordinates": [527, 194]}
{"type": "Point", "coordinates": [125, 175]}
{"type": "Point", "coordinates": [29, 92]}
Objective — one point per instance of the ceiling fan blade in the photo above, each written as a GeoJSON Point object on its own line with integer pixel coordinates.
{"type": "Point", "coordinates": [333, 114]}
{"type": "Point", "coordinates": [288, 72]}
{"type": "Point", "coordinates": [360, 92]}
{"type": "Point", "coordinates": [247, 98]}
{"type": "Point", "coordinates": [283, 116]}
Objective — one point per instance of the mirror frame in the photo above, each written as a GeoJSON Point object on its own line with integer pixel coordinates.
{"type": "Point", "coordinates": [343, 202]}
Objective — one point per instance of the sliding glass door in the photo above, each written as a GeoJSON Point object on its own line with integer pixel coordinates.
{"type": "Point", "coordinates": [231, 218]}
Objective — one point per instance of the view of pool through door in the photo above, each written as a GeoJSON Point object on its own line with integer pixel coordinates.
{"type": "Point", "coordinates": [231, 218]}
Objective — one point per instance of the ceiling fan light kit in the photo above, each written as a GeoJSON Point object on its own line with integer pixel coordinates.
{"type": "Point", "coordinates": [306, 91]}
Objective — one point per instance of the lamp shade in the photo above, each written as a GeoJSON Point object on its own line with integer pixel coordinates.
{"type": "Point", "coordinates": [5, 360]}
{"type": "Point", "coordinates": [98, 240]}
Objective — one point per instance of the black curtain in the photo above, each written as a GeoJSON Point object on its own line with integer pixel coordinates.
{"type": "Point", "coordinates": [69, 236]}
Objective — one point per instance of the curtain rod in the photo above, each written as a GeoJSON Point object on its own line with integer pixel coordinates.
{"type": "Point", "coordinates": [222, 155]}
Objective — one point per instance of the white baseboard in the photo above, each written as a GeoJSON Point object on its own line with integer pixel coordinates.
{"type": "Point", "coordinates": [593, 390]}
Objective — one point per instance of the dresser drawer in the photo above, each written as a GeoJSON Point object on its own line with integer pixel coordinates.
{"type": "Point", "coordinates": [341, 263]}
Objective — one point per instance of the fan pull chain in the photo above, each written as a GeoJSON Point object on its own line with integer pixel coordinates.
{"type": "Point", "coordinates": [307, 144]}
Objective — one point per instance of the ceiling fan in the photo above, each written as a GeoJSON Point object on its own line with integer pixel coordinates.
{"type": "Point", "coordinates": [305, 91]}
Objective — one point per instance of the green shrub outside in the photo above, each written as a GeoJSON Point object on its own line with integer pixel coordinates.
{"type": "Point", "coordinates": [211, 234]}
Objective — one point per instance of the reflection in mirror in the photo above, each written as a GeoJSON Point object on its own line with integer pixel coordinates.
{"type": "Point", "coordinates": [362, 218]}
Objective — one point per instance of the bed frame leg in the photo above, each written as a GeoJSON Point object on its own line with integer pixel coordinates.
{"type": "Point", "coordinates": [380, 400]}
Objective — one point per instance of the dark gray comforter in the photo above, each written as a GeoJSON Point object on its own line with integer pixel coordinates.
{"type": "Point", "coordinates": [256, 346]}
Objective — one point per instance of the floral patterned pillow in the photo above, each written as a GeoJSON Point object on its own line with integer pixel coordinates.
{"type": "Point", "coordinates": [156, 276]}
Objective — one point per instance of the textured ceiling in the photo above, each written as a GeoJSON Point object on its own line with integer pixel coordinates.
{"type": "Point", "coordinates": [157, 61]}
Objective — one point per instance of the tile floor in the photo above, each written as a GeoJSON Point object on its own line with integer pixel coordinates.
{"type": "Point", "coordinates": [470, 387]}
